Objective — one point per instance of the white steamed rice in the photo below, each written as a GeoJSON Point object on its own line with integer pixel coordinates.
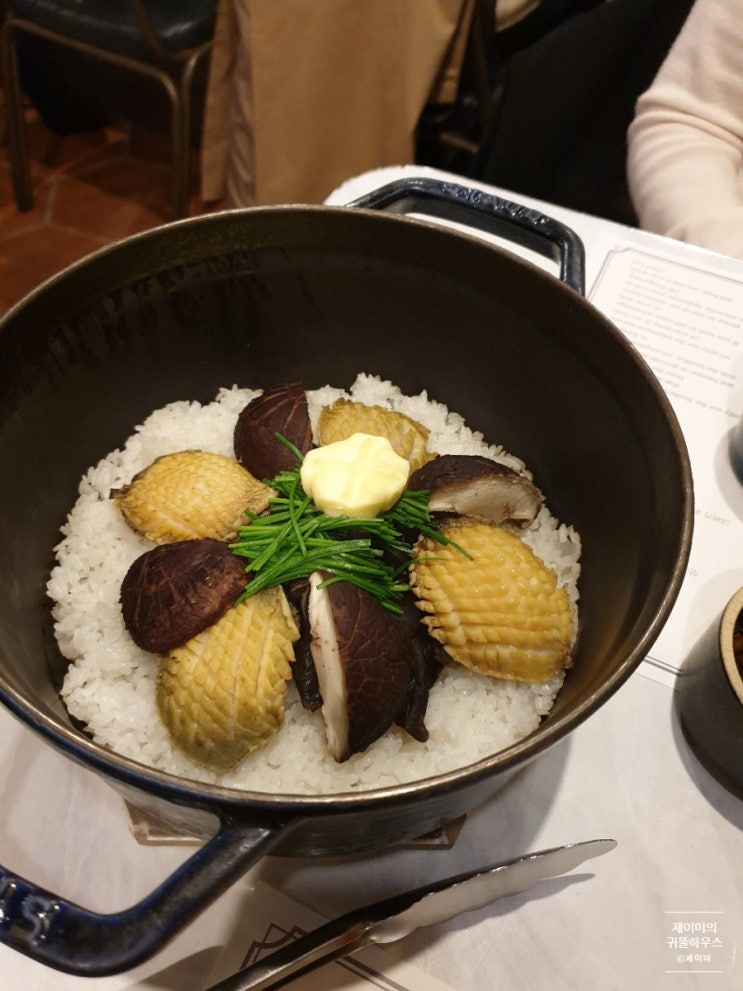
{"type": "Point", "coordinates": [110, 684]}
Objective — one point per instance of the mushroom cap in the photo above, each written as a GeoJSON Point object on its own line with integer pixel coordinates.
{"type": "Point", "coordinates": [360, 656]}
{"type": "Point", "coordinates": [283, 410]}
{"type": "Point", "coordinates": [426, 659]}
{"type": "Point", "coordinates": [174, 591]}
{"type": "Point", "coordinates": [303, 669]}
{"type": "Point", "coordinates": [472, 485]}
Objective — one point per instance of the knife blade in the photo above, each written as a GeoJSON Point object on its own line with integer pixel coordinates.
{"type": "Point", "coordinates": [393, 918]}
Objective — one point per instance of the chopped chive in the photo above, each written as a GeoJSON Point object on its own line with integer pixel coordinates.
{"type": "Point", "coordinates": [294, 538]}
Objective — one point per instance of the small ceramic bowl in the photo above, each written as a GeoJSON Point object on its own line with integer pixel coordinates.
{"type": "Point", "coordinates": [710, 700]}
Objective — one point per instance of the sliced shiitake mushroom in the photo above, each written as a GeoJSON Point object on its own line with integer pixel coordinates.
{"type": "Point", "coordinates": [361, 662]}
{"type": "Point", "coordinates": [424, 655]}
{"type": "Point", "coordinates": [426, 659]}
{"type": "Point", "coordinates": [174, 591]}
{"type": "Point", "coordinates": [303, 669]}
{"type": "Point", "coordinates": [471, 485]}
{"type": "Point", "coordinates": [283, 410]}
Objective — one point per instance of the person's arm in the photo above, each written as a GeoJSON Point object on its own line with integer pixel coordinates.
{"type": "Point", "coordinates": [685, 162]}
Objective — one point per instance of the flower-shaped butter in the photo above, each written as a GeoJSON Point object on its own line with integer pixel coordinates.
{"type": "Point", "coordinates": [361, 476]}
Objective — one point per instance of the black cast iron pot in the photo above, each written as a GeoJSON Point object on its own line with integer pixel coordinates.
{"type": "Point", "coordinates": [262, 296]}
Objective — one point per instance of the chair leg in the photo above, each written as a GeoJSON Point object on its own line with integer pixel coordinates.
{"type": "Point", "coordinates": [181, 134]}
{"type": "Point", "coordinates": [181, 139]}
{"type": "Point", "coordinates": [18, 154]}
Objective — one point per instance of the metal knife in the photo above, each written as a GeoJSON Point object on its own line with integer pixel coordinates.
{"type": "Point", "coordinates": [396, 917]}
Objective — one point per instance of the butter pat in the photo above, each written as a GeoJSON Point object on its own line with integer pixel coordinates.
{"type": "Point", "coordinates": [361, 476]}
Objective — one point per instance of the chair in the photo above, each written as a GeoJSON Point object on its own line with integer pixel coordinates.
{"type": "Point", "coordinates": [560, 96]}
{"type": "Point", "coordinates": [83, 63]}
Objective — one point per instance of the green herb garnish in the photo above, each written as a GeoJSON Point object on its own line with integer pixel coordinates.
{"type": "Point", "coordinates": [295, 538]}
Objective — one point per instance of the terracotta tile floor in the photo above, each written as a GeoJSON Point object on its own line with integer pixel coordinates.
{"type": "Point", "coordinates": [90, 189]}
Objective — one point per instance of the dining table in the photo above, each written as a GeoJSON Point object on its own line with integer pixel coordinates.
{"type": "Point", "coordinates": [661, 911]}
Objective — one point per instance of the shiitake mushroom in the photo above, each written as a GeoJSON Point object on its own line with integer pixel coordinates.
{"type": "Point", "coordinates": [303, 670]}
{"type": "Point", "coordinates": [175, 591]}
{"type": "Point", "coordinates": [424, 656]}
{"type": "Point", "coordinates": [365, 668]}
{"type": "Point", "coordinates": [473, 485]}
{"type": "Point", "coordinates": [426, 659]}
{"type": "Point", "coordinates": [282, 409]}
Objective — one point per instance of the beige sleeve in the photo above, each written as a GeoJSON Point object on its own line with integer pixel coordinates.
{"type": "Point", "coordinates": [685, 160]}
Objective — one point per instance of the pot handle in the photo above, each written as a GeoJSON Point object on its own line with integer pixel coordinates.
{"type": "Point", "coordinates": [476, 208]}
{"type": "Point", "coordinates": [70, 938]}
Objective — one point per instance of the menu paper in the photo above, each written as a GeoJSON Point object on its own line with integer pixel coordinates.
{"type": "Point", "coordinates": [686, 320]}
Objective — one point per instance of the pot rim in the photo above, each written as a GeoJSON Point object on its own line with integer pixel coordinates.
{"type": "Point", "coordinates": [310, 209]}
